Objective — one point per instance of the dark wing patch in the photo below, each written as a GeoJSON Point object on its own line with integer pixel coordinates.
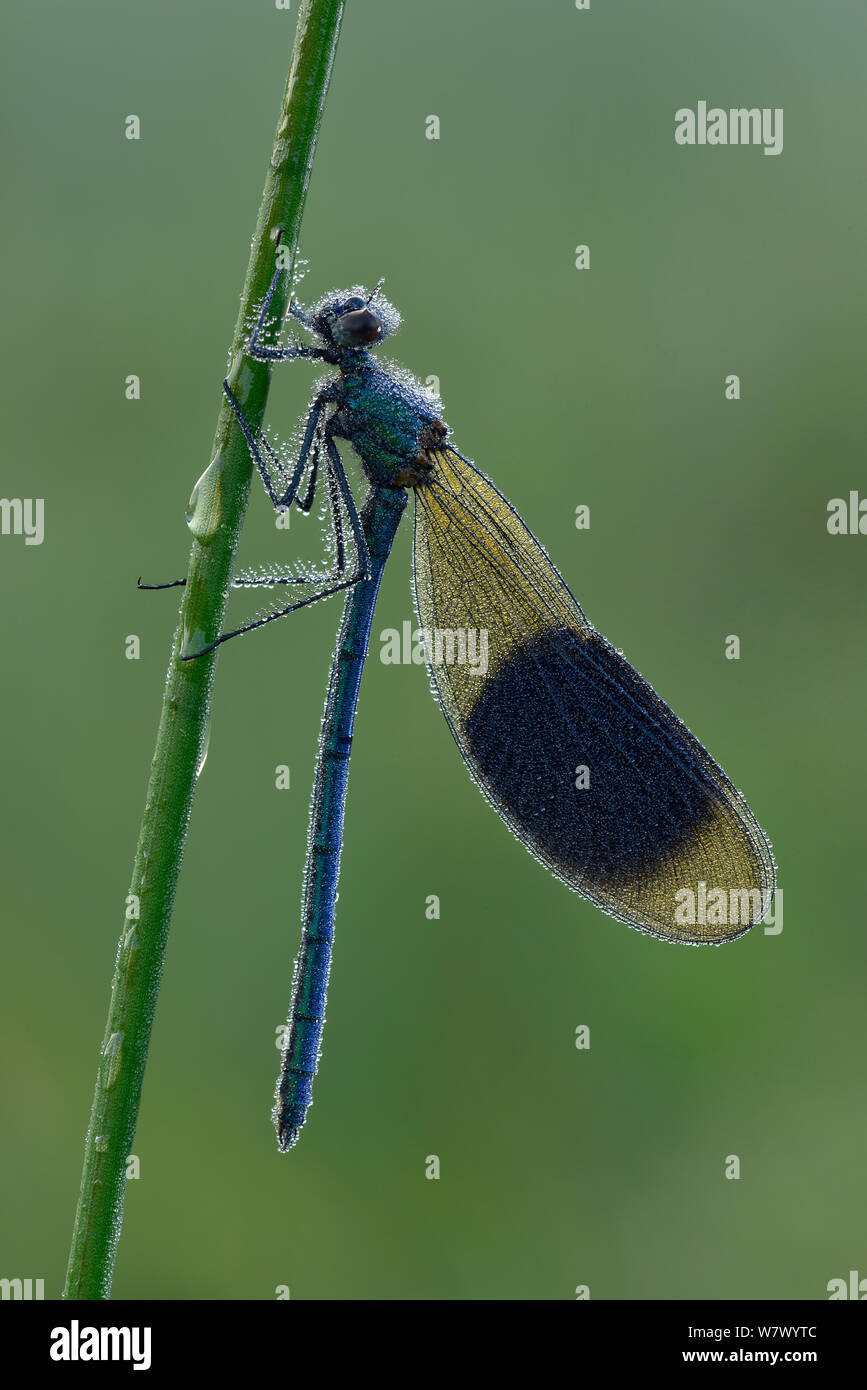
{"type": "Point", "coordinates": [652, 831]}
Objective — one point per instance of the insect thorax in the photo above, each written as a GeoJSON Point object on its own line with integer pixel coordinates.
{"type": "Point", "coordinates": [391, 424]}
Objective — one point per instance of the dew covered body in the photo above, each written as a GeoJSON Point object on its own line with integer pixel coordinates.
{"type": "Point", "coordinates": [391, 422]}
{"type": "Point", "coordinates": [581, 759]}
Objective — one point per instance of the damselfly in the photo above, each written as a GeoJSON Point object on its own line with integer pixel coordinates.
{"type": "Point", "coordinates": [579, 756]}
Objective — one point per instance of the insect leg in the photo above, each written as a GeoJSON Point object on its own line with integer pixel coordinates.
{"type": "Point", "coordinates": [339, 473]}
{"type": "Point", "coordinates": [289, 496]}
{"type": "Point", "coordinates": [340, 579]}
{"type": "Point", "coordinates": [335, 497]}
{"type": "Point", "coordinates": [301, 315]}
{"type": "Point", "coordinates": [260, 351]}
{"type": "Point", "coordinates": [313, 418]}
{"type": "Point", "coordinates": [172, 584]}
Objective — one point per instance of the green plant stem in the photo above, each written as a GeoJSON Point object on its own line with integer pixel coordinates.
{"type": "Point", "coordinates": [221, 499]}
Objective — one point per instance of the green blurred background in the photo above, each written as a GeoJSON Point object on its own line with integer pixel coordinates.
{"type": "Point", "coordinates": [708, 517]}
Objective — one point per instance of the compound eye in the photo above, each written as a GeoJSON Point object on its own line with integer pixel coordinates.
{"type": "Point", "coordinates": [358, 327]}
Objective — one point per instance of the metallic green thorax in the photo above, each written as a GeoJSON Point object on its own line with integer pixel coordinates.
{"type": "Point", "coordinates": [390, 422]}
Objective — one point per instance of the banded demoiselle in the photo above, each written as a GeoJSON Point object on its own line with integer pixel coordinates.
{"type": "Point", "coordinates": [653, 825]}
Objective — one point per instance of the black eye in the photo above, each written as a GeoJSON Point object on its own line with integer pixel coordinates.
{"type": "Point", "coordinates": [358, 328]}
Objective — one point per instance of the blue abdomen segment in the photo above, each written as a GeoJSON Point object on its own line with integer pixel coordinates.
{"type": "Point", "coordinates": [380, 517]}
